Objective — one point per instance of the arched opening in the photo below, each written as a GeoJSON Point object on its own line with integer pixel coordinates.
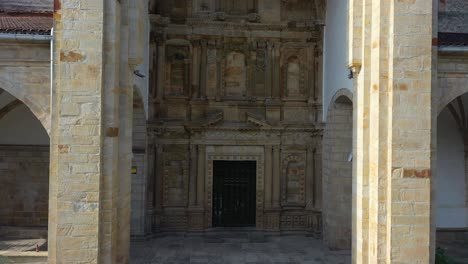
{"type": "Point", "coordinates": [337, 173]}
{"type": "Point", "coordinates": [451, 183]}
{"type": "Point", "coordinates": [24, 177]}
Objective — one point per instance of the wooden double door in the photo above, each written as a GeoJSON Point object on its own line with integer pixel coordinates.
{"type": "Point", "coordinates": [234, 193]}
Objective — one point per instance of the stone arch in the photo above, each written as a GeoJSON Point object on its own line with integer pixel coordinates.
{"type": "Point", "coordinates": [38, 103]}
{"type": "Point", "coordinates": [24, 173]}
{"type": "Point", "coordinates": [337, 172]}
{"type": "Point", "coordinates": [451, 176]}
{"type": "Point", "coordinates": [451, 95]}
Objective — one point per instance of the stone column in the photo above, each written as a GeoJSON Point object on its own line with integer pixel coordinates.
{"type": "Point", "coordinates": [195, 211]}
{"type": "Point", "coordinates": [268, 176]}
{"type": "Point", "coordinates": [158, 188]}
{"type": "Point", "coordinates": [276, 67]}
{"type": "Point", "coordinates": [268, 70]}
{"type": "Point", "coordinates": [312, 74]}
{"type": "Point", "coordinates": [203, 73]}
{"type": "Point", "coordinates": [310, 179]}
{"type": "Point", "coordinates": [196, 69]}
{"type": "Point", "coordinates": [193, 175]}
{"type": "Point", "coordinates": [161, 69]}
{"type": "Point", "coordinates": [149, 174]}
{"type": "Point", "coordinates": [466, 178]}
{"type": "Point", "coordinates": [271, 220]}
{"type": "Point", "coordinates": [395, 148]}
{"type": "Point", "coordinates": [276, 177]}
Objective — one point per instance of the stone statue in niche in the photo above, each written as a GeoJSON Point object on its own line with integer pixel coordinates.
{"type": "Point", "coordinates": [175, 179]}
{"type": "Point", "coordinates": [294, 78]}
{"type": "Point", "coordinates": [235, 74]}
{"type": "Point", "coordinates": [294, 171]}
{"type": "Point", "coordinates": [177, 68]}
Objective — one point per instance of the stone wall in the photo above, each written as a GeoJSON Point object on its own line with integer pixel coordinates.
{"type": "Point", "coordinates": [337, 174]}
{"type": "Point", "coordinates": [24, 177]}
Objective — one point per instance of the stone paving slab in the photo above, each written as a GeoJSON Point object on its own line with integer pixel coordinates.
{"type": "Point", "coordinates": [236, 250]}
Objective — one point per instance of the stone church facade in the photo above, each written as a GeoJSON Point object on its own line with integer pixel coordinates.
{"type": "Point", "coordinates": [232, 85]}
{"type": "Point", "coordinates": [343, 120]}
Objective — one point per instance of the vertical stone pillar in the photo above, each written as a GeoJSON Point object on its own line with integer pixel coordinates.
{"type": "Point", "coordinates": [90, 146]}
{"type": "Point", "coordinates": [393, 122]}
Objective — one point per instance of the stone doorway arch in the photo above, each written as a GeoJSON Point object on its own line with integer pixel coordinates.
{"type": "Point", "coordinates": [24, 175]}
{"type": "Point", "coordinates": [451, 177]}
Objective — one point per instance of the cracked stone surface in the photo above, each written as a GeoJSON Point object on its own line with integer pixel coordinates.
{"type": "Point", "coordinates": [235, 249]}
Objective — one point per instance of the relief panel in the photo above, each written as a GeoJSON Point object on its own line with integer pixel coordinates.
{"type": "Point", "coordinates": [235, 74]}
{"type": "Point", "coordinates": [177, 71]}
{"type": "Point", "coordinates": [293, 175]}
{"type": "Point", "coordinates": [175, 181]}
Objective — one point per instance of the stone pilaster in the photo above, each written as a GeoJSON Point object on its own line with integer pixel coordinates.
{"type": "Point", "coordinates": [195, 211]}
{"type": "Point", "coordinates": [466, 177]}
{"type": "Point", "coordinates": [161, 69]}
{"type": "Point", "coordinates": [393, 121]}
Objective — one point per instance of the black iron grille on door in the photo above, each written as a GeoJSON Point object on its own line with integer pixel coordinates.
{"type": "Point", "coordinates": [234, 193]}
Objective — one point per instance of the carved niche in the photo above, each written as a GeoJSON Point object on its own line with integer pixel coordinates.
{"type": "Point", "coordinates": [177, 70]}
{"type": "Point", "coordinates": [175, 180]}
{"type": "Point", "coordinates": [260, 67]}
{"type": "Point", "coordinates": [236, 7]}
{"type": "Point", "coordinates": [298, 10]}
{"type": "Point", "coordinates": [294, 74]}
{"type": "Point", "coordinates": [294, 173]}
{"type": "Point", "coordinates": [175, 9]}
{"type": "Point", "coordinates": [235, 74]}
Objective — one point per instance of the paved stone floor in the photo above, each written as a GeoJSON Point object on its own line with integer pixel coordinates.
{"type": "Point", "coordinates": [235, 249]}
